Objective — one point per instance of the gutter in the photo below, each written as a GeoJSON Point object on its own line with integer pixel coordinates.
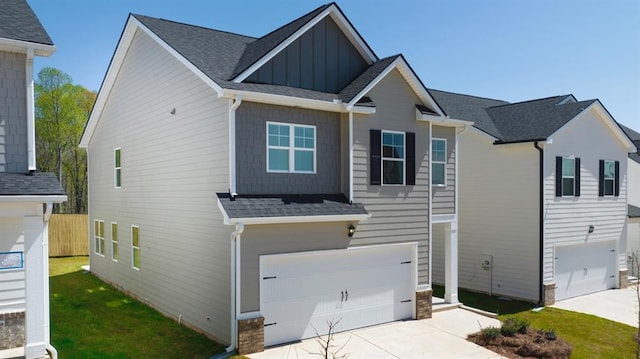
{"type": "Point", "coordinates": [235, 285]}
{"type": "Point", "coordinates": [541, 228]}
{"type": "Point", "coordinates": [233, 106]}
{"type": "Point", "coordinates": [350, 157]}
{"type": "Point", "coordinates": [31, 122]}
{"type": "Point", "coordinates": [45, 243]}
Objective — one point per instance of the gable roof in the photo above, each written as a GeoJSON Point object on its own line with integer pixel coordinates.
{"type": "Point", "coordinates": [20, 27]}
{"type": "Point", "coordinates": [528, 121]}
{"type": "Point", "coordinates": [635, 137]}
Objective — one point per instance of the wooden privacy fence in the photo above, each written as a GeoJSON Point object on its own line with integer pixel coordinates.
{"type": "Point", "coordinates": [68, 235]}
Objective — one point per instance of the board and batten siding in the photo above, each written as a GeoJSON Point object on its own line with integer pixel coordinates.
{"type": "Point", "coordinates": [498, 216]}
{"type": "Point", "coordinates": [567, 219]}
{"type": "Point", "coordinates": [444, 200]}
{"type": "Point", "coordinates": [398, 213]}
{"type": "Point", "coordinates": [13, 112]}
{"type": "Point", "coordinates": [172, 167]}
{"type": "Point", "coordinates": [266, 239]}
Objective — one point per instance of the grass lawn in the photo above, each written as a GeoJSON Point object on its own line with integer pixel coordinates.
{"type": "Point", "coordinates": [590, 336]}
{"type": "Point", "coordinates": [90, 319]}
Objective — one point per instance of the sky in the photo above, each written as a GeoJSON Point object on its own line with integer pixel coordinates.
{"type": "Point", "coordinates": [502, 49]}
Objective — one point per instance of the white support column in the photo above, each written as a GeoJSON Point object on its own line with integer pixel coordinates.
{"type": "Point", "coordinates": [451, 263]}
{"type": "Point", "coordinates": [36, 296]}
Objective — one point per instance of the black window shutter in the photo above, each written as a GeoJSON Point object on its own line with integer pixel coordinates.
{"type": "Point", "coordinates": [558, 176]}
{"type": "Point", "coordinates": [410, 162]}
{"type": "Point", "coordinates": [617, 184]}
{"type": "Point", "coordinates": [375, 163]}
{"type": "Point", "coordinates": [601, 179]}
{"type": "Point", "coordinates": [577, 175]}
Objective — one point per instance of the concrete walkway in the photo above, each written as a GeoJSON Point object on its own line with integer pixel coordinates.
{"type": "Point", "coordinates": [443, 336]}
{"type": "Point", "coordinates": [620, 305]}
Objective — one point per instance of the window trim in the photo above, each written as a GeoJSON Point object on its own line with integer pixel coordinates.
{"type": "Point", "coordinates": [134, 248]}
{"type": "Point", "coordinates": [573, 177]}
{"type": "Point", "coordinates": [291, 149]}
{"type": "Point", "coordinates": [115, 254]}
{"type": "Point", "coordinates": [605, 179]}
{"type": "Point", "coordinates": [403, 160]}
{"type": "Point", "coordinates": [117, 170]}
{"type": "Point", "coordinates": [444, 163]}
{"type": "Point", "coordinates": [98, 241]}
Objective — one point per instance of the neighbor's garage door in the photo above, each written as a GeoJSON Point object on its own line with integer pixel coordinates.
{"type": "Point", "coordinates": [359, 287]}
{"type": "Point", "coordinates": [584, 268]}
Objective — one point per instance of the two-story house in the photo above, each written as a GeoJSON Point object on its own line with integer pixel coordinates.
{"type": "Point", "coordinates": [633, 203]}
{"type": "Point", "coordinates": [26, 196]}
{"type": "Point", "coordinates": [254, 188]}
{"type": "Point", "coordinates": [543, 197]}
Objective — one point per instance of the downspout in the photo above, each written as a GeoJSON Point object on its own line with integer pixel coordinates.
{"type": "Point", "coordinates": [430, 211]}
{"type": "Point", "coordinates": [47, 315]}
{"type": "Point", "coordinates": [350, 157]}
{"type": "Point", "coordinates": [541, 228]}
{"type": "Point", "coordinates": [31, 122]}
{"type": "Point", "coordinates": [232, 143]}
{"type": "Point", "coordinates": [235, 285]}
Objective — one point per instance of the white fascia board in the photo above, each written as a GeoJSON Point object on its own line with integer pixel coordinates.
{"type": "Point", "coordinates": [33, 199]}
{"type": "Point", "coordinates": [225, 216]}
{"type": "Point", "coordinates": [444, 121]}
{"type": "Point", "coordinates": [444, 218]}
{"type": "Point", "coordinates": [608, 121]}
{"type": "Point", "coordinates": [300, 219]}
{"type": "Point", "coordinates": [342, 23]}
{"type": "Point", "coordinates": [116, 63]}
{"type": "Point", "coordinates": [12, 45]}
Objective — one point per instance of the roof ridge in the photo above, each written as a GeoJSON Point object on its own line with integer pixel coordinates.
{"type": "Point", "coordinates": [530, 101]}
{"type": "Point", "coordinates": [296, 19]}
{"type": "Point", "coordinates": [466, 95]}
{"type": "Point", "coordinates": [192, 25]}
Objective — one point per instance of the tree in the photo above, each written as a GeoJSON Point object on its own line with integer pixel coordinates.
{"type": "Point", "coordinates": [61, 111]}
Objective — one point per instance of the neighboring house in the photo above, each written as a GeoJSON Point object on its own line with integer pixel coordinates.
{"type": "Point", "coordinates": [633, 202]}
{"type": "Point", "coordinates": [254, 188]}
{"type": "Point", "coordinates": [26, 196]}
{"type": "Point", "coordinates": [543, 197]}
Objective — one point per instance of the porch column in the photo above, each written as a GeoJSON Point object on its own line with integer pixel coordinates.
{"type": "Point", "coordinates": [36, 295]}
{"type": "Point", "coordinates": [451, 262]}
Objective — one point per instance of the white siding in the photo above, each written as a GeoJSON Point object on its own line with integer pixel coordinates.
{"type": "Point", "coordinates": [172, 167]}
{"type": "Point", "coordinates": [567, 219]}
{"type": "Point", "coordinates": [398, 213]}
{"type": "Point", "coordinates": [633, 224]}
{"type": "Point", "coordinates": [499, 216]}
{"type": "Point", "coordinates": [633, 173]}
{"type": "Point", "coordinates": [443, 198]}
{"type": "Point", "coordinates": [633, 244]}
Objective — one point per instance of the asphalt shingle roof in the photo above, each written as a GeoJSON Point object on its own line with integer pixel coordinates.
{"type": "Point", "coordinates": [512, 122]}
{"type": "Point", "coordinates": [364, 79]}
{"type": "Point", "coordinates": [37, 184]}
{"type": "Point", "coordinates": [18, 22]}
{"type": "Point", "coordinates": [634, 212]}
{"type": "Point", "coordinates": [260, 206]}
{"type": "Point", "coordinates": [635, 138]}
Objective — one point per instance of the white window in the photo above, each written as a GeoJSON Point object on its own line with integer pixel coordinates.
{"type": "Point", "coordinates": [291, 148]}
{"type": "Point", "coordinates": [117, 169]}
{"type": "Point", "coordinates": [438, 161]}
{"type": "Point", "coordinates": [609, 178]}
{"type": "Point", "coordinates": [393, 156]}
{"type": "Point", "coordinates": [568, 177]}
{"type": "Point", "coordinates": [135, 247]}
{"type": "Point", "coordinates": [114, 242]}
{"type": "Point", "coordinates": [98, 235]}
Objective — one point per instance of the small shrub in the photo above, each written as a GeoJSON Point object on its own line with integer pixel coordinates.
{"type": "Point", "coordinates": [513, 325]}
{"type": "Point", "coordinates": [489, 333]}
{"type": "Point", "coordinates": [550, 334]}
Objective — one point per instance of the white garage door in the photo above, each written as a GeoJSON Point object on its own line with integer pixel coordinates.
{"type": "Point", "coordinates": [584, 268]}
{"type": "Point", "coordinates": [359, 287]}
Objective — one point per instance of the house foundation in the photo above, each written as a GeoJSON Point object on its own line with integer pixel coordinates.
{"type": "Point", "coordinates": [549, 294]}
{"type": "Point", "coordinates": [424, 304]}
{"type": "Point", "coordinates": [623, 279]}
{"type": "Point", "coordinates": [11, 330]}
{"type": "Point", "coordinates": [250, 335]}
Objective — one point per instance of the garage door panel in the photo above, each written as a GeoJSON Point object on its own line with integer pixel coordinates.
{"type": "Point", "coordinates": [584, 268]}
{"type": "Point", "coordinates": [358, 287]}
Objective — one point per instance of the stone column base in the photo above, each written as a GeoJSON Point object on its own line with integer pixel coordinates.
{"type": "Point", "coordinates": [250, 336]}
{"type": "Point", "coordinates": [623, 280]}
{"type": "Point", "coordinates": [424, 304]}
{"type": "Point", "coordinates": [11, 330]}
{"type": "Point", "coordinates": [549, 294]}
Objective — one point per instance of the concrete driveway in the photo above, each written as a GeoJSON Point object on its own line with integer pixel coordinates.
{"type": "Point", "coordinates": [442, 336]}
{"type": "Point", "coordinates": [620, 305]}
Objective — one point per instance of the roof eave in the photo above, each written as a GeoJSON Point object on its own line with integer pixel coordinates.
{"type": "Point", "coordinates": [20, 46]}
{"type": "Point", "coordinates": [39, 198]}
{"type": "Point", "coordinates": [500, 142]}
{"type": "Point", "coordinates": [442, 120]}
{"type": "Point", "coordinates": [299, 219]}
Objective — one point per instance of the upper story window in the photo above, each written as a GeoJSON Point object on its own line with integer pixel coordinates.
{"type": "Point", "coordinates": [117, 169]}
{"type": "Point", "coordinates": [291, 148]}
{"type": "Point", "coordinates": [609, 183]}
{"type": "Point", "coordinates": [438, 161]}
{"type": "Point", "coordinates": [393, 157]}
{"type": "Point", "coordinates": [567, 176]}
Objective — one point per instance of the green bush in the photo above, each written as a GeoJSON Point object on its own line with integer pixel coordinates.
{"type": "Point", "coordinates": [490, 333]}
{"type": "Point", "coordinates": [513, 325]}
